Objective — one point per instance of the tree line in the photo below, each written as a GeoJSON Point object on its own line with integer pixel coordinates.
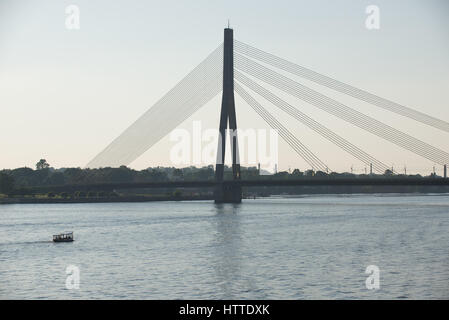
{"type": "Point", "coordinates": [45, 175]}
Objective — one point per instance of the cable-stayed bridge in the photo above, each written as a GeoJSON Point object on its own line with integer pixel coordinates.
{"type": "Point", "coordinates": [235, 66]}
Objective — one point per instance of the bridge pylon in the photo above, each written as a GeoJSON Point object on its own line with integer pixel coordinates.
{"type": "Point", "coordinates": [228, 193]}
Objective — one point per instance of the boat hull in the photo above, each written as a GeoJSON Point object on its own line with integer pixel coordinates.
{"type": "Point", "coordinates": [63, 240]}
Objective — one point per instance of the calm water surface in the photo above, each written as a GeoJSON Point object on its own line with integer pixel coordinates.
{"type": "Point", "coordinates": [314, 247]}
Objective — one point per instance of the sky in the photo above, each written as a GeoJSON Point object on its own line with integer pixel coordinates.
{"type": "Point", "coordinates": [66, 94]}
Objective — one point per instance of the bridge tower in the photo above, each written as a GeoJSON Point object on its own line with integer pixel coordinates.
{"type": "Point", "coordinates": [228, 193]}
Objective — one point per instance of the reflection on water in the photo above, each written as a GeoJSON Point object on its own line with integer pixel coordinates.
{"type": "Point", "coordinates": [25, 242]}
{"type": "Point", "coordinates": [227, 243]}
{"type": "Point", "coordinates": [303, 248]}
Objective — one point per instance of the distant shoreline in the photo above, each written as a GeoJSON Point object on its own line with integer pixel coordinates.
{"type": "Point", "coordinates": [28, 200]}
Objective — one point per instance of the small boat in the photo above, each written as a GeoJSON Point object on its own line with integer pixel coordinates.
{"type": "Point", "coordinates": [63, 237]}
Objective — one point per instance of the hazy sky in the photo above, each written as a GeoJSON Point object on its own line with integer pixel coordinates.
{"type": "Point", "coordinates": [66, 94]}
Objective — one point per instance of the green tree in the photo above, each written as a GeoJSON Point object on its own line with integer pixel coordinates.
{"type": "Point", "coordinates": [42, 164]}
{"type": "Point", "coordinates": [297, 173]}
{"type": "Point", "coordinates": [281, 175]}
{"type": "Point", "coordinates": [6, 183]}
{"type": "Point", "coordinates": [56, 178]}
{"type": "Point", "coordinates": [178, 174]}
{"type": "Point", "coordinates": [321, 174]}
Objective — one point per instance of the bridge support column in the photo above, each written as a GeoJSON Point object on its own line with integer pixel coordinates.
{"type": "Point", "coordinates": [225, 193]}
{"type": "Point", "coordinates": [228, 193]}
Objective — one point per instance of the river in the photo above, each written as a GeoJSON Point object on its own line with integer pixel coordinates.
{"type": "Point", "coordinates": [311, 247]}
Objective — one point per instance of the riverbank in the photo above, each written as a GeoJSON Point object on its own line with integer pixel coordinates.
{"type": "Point", "coordinates": [129, 198]}
{"type": "Point", "coordinates": [32, 200]}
